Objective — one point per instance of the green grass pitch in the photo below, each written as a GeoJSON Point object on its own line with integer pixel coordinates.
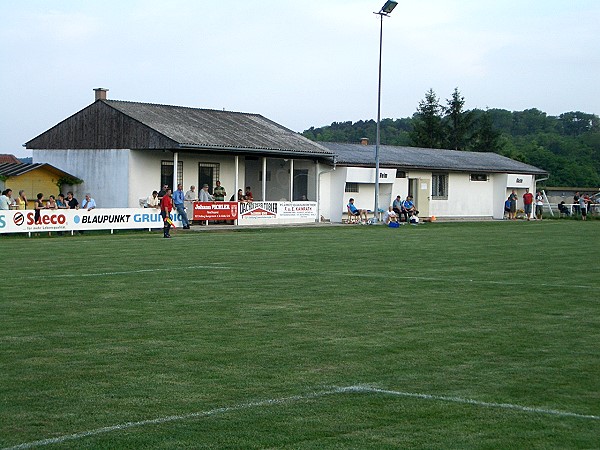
{"type": "Point", "coordinates": [442, 335]}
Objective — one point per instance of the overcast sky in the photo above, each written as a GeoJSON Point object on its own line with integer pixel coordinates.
{"type": "Point", "coordinates": [300, 63]}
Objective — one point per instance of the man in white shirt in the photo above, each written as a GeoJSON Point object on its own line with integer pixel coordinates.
{"type": "Point", "coordinates": [153, 201]}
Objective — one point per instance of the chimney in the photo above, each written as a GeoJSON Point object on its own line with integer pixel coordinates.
{"type": "Point", "coordinates": [100, 93]}
{"type": "Point", "coordinates": [364, 141]}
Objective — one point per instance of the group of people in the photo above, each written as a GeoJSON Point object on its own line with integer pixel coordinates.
{"type": "Point", "coordinates": [53, 202]}
{"type": "Point", "coordinates": [165, 200]}
{"type": "Point", "coordinates": [581, 205]}
{"type": "Point", "coordinates": [529, 200]}
{"type": "Point", "coordinates": [401, 210]}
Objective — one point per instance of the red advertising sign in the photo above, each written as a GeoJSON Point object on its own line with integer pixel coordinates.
{"type": "Point", "coordinates": [215, 210]}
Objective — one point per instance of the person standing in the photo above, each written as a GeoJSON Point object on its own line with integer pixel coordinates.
{"type": "Point", "coordinates": [219, 192]}
{"type": "Point", "coordinates": [166, 205]}
{"type": "Point", "coordinates": [205, 195]}
{"type": "Point", "coordinates": [513, 205]}
{"type": "Point", "coordinates": [152, 201]}
{"type": "Point", "coordinates": [582, 208]}
{"type": "Point", "coordinates": [39, 205]}
{"type": "Point", "coordinates": [539, 206]}
{"type": "Point", "coordinates": [576, 207]}
{"type": "Point", "coordinates": [21, 200]}
{"type": "Point", "coordinates": [72, 202]}
{"type": "Point", "coordinates": [179, 202]}
{"type": "Point", "coordinates": [527, 203]}
{"type": "Point", "coordinates": [6, 199]}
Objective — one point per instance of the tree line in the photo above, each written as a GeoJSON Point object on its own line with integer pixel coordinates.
{"type": "Point", "coordinates": [567, 146]}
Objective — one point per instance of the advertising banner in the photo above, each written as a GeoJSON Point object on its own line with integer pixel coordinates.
{"type": "Point", "coordinates": [307, 210]}
{"type": "Point", "coordinates": [23, 221]}
{"type": "Point", "coordinates": [215, 210]}
{"type": "Point", "coordinates": [258, 210]}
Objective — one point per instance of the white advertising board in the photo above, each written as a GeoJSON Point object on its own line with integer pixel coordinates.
{"type": "Point", "coordinates": [255, 213]}
{"type": "Point", "coordinates": [23, 221]}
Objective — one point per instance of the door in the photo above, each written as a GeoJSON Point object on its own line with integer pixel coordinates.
{"type": "Point", "coordinates": [300, 184]}
{"type": "Point", "coordinates": [423, 196]}
{"type": "Point", "coordinates": [206, 175]}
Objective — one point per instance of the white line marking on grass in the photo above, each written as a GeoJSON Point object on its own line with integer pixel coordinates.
{"type": "Point", "coordinates": [468, 401]}
{"type": "Point", "coordinates": [195, 415]}
{"type": "Point", "coordinates": [128, 272]}
{"type": "Point", "coordinates": [359, 389]}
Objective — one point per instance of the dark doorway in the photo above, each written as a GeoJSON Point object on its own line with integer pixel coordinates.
{"type": "Point", "coordinates": [300, 184]}
{"type": "Point", "coordinates": [207, 174]}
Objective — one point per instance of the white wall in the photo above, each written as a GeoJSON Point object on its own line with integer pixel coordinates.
{"type": "Point", "coordinates": [466, 198]}
{"type": "Point", "coordinates": [105, 173]}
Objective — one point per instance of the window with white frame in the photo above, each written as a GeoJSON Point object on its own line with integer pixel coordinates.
{"type": "Point", "coordinates": [351, 187]}
{"type": "Point", "coordinates": [479, 177]}
{"type": "Point", "coordinates": [439, 186]}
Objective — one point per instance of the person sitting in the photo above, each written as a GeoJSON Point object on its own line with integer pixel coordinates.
{"type": "Point", "coordinates": [390, 216]}
{"type": "Point", "coordinates": [353, 211]}
{"type": "Point", "coordinates": [397, 206]}
{"type": "Point", "coordinates": [414, 218]}
{"type": "Point", "coordinates": [562, 209]}
{"type": "Point", "coordinates": [51, 203]}
{"type": "Point", "coordinates": [408, 208]}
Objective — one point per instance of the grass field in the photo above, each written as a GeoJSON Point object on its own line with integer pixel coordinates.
{"type": "Point", "coordinates": [480, 335]}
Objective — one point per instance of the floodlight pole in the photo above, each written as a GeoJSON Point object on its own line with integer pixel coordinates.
{"type": "Point", "coordinates": [387, 8]}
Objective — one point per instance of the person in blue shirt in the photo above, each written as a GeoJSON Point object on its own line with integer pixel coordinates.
{"type": "Point", "coordinates": [353, 210]}
{"type": "Point", "coordinates": [178, 202]}
{"type": "Point", "coordinates": [408, 208]}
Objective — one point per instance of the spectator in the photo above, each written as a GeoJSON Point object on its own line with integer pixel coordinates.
{"type": "Point", "coordinates": [72, 201]}
{"type": "Point", "coordinates": [562, 208]}
{"type": "Point", "coordinates": [51, 203]}
{"type": "Point", "coordinates": [527, 203]}
{"type": "Point", "coordinates": [6, 199]}
{"type": "Point", "coordinates": [248, 194]}
{"type": "Point", "coordinates": [61, 202]}
{"type": "Point", "coordinates": [539, 206]}
{"type": "Point", "coordinates": [582, 208]}
{"type": "Point", "coordinates": [513, 205]}
{"type": "Point", "coordinates": [219, 192]}
{"type": "Point", "coordinates": [397, 206]}
{"type": "Point", "coordinates": [414, 218]}
{"type": "Point", "coordinates": [166, 205]}
{"type": "Point", "coordinates": [152, 201]}
{"type": "Point", "coordinates": [205, 195]}
{"type": "Point", "coordinates": [576, 203]}
{"type": "Point", "coordinates": [21, 200]}
{"type": "Point", "coordinates": [408, 208]}
{"type": "Point", "coordinates": [162, 192]}
{"type": "Point", "coordinates": [39, 205]}
{"type": "Point", "coordinates": [390, 216]}
{"type": "Point", "coordinates": [191, 196]}
{"type": "Point", "coordinates": [354, 211]}
{"type": "Point", "coordinates": [178, 201]}
{"type": "Point", "coordinates": [88, 202]}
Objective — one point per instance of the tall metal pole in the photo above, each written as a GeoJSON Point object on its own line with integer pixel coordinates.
{"type": "Point", "coordinates": [377, 139]}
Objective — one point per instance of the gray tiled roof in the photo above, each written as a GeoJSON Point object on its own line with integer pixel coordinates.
{"type": "Point", "coordinates": [428, 159]}
{"type": "Point", "coordinates": [219, 130]}
{"type": "Point", "coordinates": [16, 169]}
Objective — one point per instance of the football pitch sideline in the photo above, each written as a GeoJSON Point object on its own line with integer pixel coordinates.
{"type": "Point", "coordinates": [442, 335]}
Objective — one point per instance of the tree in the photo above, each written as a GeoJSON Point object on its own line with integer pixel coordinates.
{"type": "Point", "coordinates": [458, 122]}
{"type": "Point", "coordinates": [485, 137]}
{"type": "Point", "coordinates": [427, 123]}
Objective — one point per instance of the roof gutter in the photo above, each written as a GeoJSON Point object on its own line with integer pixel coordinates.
{"type": "Point", "coordinates": [280, 152]}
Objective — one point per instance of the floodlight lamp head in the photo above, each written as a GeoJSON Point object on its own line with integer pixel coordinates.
{"type": "Point", "coordinates": [388, 7]}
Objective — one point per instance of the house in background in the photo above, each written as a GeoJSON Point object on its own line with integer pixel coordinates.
{"type": "Point", "coordinates": [7, 158]}
{"type": "Point", "coordinates": [125, 150]}
{"type": "Point", "coordinates": [33, 179]}
{"type": "Point", "coordinates": [444, 183]}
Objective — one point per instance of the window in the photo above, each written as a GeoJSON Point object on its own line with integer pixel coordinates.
{"type": "Point", "coordinates": [166, 173]}
{"type": "Point", "coordinates": [400, 173]}
{"type": "Point", "coordinates": [351, 187]}
{"type": "Point", "coordinates": [439, 186]}
{"type": "Point", "coordinates": [479, 177]}
{"type": "Point", "coordinates": [208, 173]}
